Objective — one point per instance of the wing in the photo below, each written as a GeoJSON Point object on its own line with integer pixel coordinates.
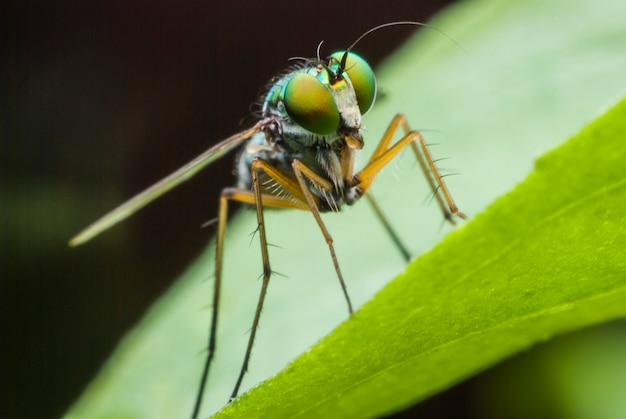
{"type": "Point", "coordinates": [153, 192]}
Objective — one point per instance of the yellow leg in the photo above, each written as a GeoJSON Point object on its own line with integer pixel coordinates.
{"type": "Point", "coordinates": [384, 153]}
{"type": "Point", "coordinates": [303, 172]}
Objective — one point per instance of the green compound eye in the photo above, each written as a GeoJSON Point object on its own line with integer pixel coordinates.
{"type": "Point", "coordinates": [362, 77]}
{"type": "Point", "coordinates": [311, 105]}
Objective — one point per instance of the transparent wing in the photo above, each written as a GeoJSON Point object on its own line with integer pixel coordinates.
{"type": "Point", "coordinates": [187, 171]}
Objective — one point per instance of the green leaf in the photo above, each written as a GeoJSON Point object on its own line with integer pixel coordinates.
{"type": "Point", "coordinates": [540, 261]}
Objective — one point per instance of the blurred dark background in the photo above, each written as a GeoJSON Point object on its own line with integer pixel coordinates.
{"type": "Point", "coordinates": [100, 99]}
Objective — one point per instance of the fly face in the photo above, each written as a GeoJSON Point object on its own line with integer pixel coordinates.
{"type": "Point", "coordinates": [318, 108]}
{"type": "Point", "coordinates": [327, 100]}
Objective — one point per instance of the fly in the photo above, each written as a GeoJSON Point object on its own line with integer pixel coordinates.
{"type": "Point", "coordinates": [300, 154]}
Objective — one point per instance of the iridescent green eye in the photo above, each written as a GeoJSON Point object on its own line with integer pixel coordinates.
{"type": "Point", "coordinates": [311, 105]}
{"type": "Point", "coordinates": [362, 77]}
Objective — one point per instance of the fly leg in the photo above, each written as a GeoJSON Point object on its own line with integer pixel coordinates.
{"type": "Point", "coordinates": [304, 199]}
{"type": "Point", "coordinates": [262, 200]}
{"type": "Point", "coordinates": [384, 153]}
{"type": "Point", "coordinates": [259, 200]}
{"type": "Point", "coordinates": [304, 174]}
{"type": "Point", "coordinates": [387, 225]}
